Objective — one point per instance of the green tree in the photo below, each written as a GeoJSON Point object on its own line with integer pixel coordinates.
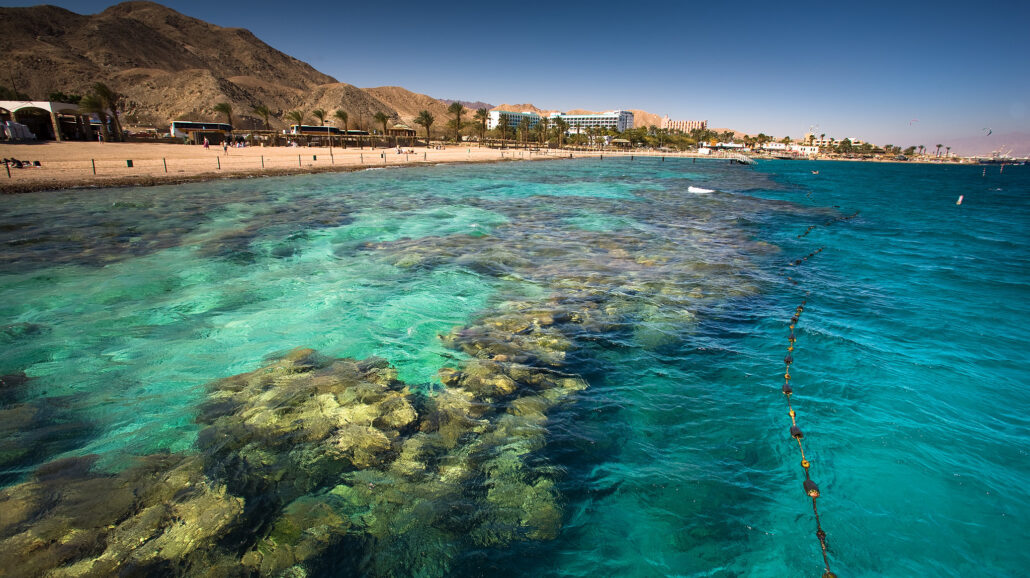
{"type": "Point", "coordinates": [948, 151]}
{"type": "Point", "coordinates": [502, 128]}
{"type": "Point", "coordinates": [341, 115]}
{"type": "Point", "coordinates": [542, 129]}
{"type": "Point", "coordinates": [425, 119]}
{"type": "Point", "coordinates": [110, 100]}
{"type": "Point", "coordinates": [264, 112]}
{"type": "Point", "coordinates": [561, 127]}
{"type": "Point", "coordinates": [321, 115]}
{"type": "Point", "coordinates": [92, 104]}
{"type": "Point", "coordinates": [939, 150]}
{"type": "Point", "coordinates": [59, 96]}
{"type": "Point", "coordinates": [845, 146]}
{"type": "Point", "coordinates": [381, 117]}
{"type": "Point", "coordinates": [481, 116]}
{"type": "Point", "coordinates": [297, 116]}
{"type": "Point", "coordinates": [226, 109]}
{"type": "Point", "coordinates": [457, 110]}
{"type": "Point", "coordinates": [11, 94]}
{"type": "Point", "coordinates": [524, 130]}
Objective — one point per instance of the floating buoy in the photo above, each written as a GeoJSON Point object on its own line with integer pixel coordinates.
{"type": "Point", "coordinates": [959, 201]}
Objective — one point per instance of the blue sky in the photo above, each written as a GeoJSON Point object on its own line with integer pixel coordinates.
{"type": "Point", "coordinates": [904, 73]}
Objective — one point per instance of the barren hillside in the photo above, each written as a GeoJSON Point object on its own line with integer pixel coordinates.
{"type": "Point", "coordinates": [408, 104]}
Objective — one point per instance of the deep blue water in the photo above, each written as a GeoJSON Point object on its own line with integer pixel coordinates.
{"type": "Point", "coordinates": [119, 306]}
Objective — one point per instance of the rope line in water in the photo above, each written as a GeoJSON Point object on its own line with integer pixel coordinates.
{"type": "Point", "coordinates": [811, 489]}
{"type": "Point", "coordinates": [809, 485]}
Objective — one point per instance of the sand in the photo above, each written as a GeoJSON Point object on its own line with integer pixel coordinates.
{"type": "Point", "coordinates": [73, 164]}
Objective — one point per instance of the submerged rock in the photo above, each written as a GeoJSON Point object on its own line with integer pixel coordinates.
{"type": "Point", "coordinates": [311, 463]}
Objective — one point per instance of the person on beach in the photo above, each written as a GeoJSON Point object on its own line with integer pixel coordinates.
{"type": "Point", "coordinates": [207, 145]}
{"type": "Point", "coordinates": [225, 147]}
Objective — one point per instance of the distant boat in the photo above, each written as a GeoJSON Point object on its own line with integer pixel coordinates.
{"type": "Point", "coordinates": [785, 157]}
{"type": "Point", "coordinates": [699, 190]}
{"type": "Point", "coordinates": [815, 172]}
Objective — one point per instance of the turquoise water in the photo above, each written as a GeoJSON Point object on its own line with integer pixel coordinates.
{"type": "Point", "coordinates": [120, 306]}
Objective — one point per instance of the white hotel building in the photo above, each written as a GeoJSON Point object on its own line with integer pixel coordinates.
{"type": "Point", "coordinates": [511, 119]}
{"type": "Point", "coordinates": [619, 120]}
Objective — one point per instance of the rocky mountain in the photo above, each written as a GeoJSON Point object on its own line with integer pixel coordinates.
{"type": "Point", "coordinates": [408, 104]}
{"type": "Point", "coordinates": [171, 66]}
{"type": "Point", "coordinates": [471, 105]}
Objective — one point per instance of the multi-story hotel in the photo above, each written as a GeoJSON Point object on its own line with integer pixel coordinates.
{"type": "Point", "coordinates": [512, 119]}
{"type": "Point", "coordinates": [619, 120]}
{"type": "Point", "coordinates": [683, 125]}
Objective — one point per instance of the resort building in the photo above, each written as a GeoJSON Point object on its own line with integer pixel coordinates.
{"type": "Point", "coordinates": [810, 139]}
{"type": "Point", "coordinates": [619, 120]}
{"type": "Point", "coordinates": [512, 119]}
{"type": "Point", "coordinates": [45, 120]}
{"type": "Point", "coordinates": [683, 125]}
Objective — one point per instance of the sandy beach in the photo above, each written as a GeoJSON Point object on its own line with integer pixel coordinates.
{"type": "Point", "coordinates": [92, 164]}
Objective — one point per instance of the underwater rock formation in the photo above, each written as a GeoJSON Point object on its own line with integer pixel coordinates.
{"type": "Point", "coordinates": [311, 463]}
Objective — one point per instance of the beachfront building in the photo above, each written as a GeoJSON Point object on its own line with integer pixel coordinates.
{"type": "Point", "coordinates": [683, 125]}
{"type": "Point", "coordinates": [810, 139]}
{"type": "Point", "coordinates": [47, 120]}
{"type": "Point", "coordinates": [195, 132]}
{"type": "Point", "coordinates": [511, 118]}
{"type": "Point", "coordinates": [618, 120]}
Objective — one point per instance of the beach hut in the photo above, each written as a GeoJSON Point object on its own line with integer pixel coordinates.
{"type": "Point", "coordinates": [401, 130]}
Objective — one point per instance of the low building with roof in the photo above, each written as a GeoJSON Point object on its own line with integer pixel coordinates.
{"type": "Point", "coordinates": [48, 120]}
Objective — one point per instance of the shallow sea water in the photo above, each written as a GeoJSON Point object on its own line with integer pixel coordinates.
{"type": "Point", "coordinates": [119, 308]}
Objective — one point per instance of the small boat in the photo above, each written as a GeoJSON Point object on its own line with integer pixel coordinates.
{"type": "Point", "coordinates": [815, 172]}
{"type": "Point", "coordinates": [699, 190]}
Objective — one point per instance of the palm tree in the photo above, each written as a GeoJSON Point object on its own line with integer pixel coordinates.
{"type": "Point", "coordinates": [92, 104]}
{"type": "Point", "coordinates": [226, 109]}
{"type": "Point", "coordinates": [949, 152]}
{"type": "Point", "coordinates": [341, 115]}
{"type": "Point", "coordinates": [110, 100]}
{"type": "Point", "coordinates": [457, 110]}
{"type": "Point", "coordinates": [321, 115]}
{"type": "Point", "coordinates": [541, 130]}
{"type": "Point", "coordinates": [561, 126]}
{"type": "Point", "coordinates": [481, 117]}
{"type": "Point", "coordinates": [939, 150]}
{"type": "Point", "coordinates": [425, 119]}
{"type": "Point", "coordinates": [921, 149]}
{"type": "Point", "coordinates": [297, 116]}
{"type": "Point", "coordinates": [502, 125]}
{"type": "Point", "coordinates": [264, 112]}
{"type": "Point", "coordinates": [381, 117]}
{"type": "Point", "coordinates": [524, 129]}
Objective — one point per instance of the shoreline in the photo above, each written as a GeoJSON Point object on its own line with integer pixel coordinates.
{"type": "Point", "coordinates": [90, 165]}
{"type": "Point", "coordinates": [82, 165]}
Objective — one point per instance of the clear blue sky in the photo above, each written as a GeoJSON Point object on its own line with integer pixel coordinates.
{"type": "Point", "coordinates": [898, 72]}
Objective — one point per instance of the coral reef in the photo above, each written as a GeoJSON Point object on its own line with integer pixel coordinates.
{"type": "Point", "coordinates": [312, 462]}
